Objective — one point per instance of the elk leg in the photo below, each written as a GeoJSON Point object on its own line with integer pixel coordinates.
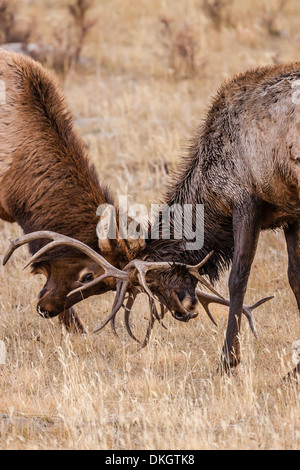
{"type": "Point", "coordinates": [245, 231]}
{"type": "Point", "coordinates": [71, 321]}
{"type": "Point", "coordinates": [292, 236]}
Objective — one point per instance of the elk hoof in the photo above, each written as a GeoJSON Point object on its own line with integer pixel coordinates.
{"type": "Point", "coordinates": [227, 365]}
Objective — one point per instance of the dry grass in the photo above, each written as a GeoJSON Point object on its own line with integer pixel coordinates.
{"type": "Point", "coordinates": [135, 113]}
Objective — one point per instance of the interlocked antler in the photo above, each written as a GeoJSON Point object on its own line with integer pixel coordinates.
{"type": "Point", "coordinates": [140, 268]}
{"type": "Point", "coordinates": [204, 298]}
{"type": "Point", "coordinates": [133, 271]}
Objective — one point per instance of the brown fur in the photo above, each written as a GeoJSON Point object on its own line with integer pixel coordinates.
{"type": "Point", "coordinates": [46, 179]}
{"type": "Point", "coordinates": [244, 166]}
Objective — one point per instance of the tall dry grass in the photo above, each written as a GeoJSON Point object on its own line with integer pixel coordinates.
{"type": "Point", "coordinates": [136, 100]}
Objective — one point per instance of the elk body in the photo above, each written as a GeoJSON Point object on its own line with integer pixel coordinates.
{"type": "Point", "coordinates": [48, 183]}
{"type": "Point", "coordinates": [244, 167]}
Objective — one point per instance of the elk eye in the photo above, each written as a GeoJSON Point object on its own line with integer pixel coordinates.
{"type": "Point", "coordinates": [87, 278]}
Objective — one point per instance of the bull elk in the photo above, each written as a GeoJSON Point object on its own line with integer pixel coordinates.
{"type": "Point", "coordinates": [47, 182]}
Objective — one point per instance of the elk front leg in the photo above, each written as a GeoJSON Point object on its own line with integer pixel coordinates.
{"type": "Point", "coordinates": [292, 236]}
{"type": "Point", "coordinates": [245, 231]}
{"type": "Point", "coordinates": [71, 321]}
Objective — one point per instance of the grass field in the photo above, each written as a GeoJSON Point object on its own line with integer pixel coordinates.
{"type": "Point", "coordinates": [146, 72]}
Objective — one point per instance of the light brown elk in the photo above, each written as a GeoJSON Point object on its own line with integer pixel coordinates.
{"type": "Point", "coordinates": [48, 183]}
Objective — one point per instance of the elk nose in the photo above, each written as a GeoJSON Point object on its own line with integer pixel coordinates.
{"type": "Point", "coordinates": [42, 293]}
{"type": "Point", "coordinates": [43, 313]}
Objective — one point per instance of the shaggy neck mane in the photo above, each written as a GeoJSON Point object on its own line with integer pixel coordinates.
{"type": "Point", "coordinates": [187, 187]}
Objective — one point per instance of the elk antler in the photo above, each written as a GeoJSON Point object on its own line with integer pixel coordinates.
{"type": "Point", "coordinates": [141, 268]}
{"type": "Point", "coordinates": [59, 239]}
{"type": "Point", "coordinates": [205, 299]}
{"type": "Point", "coordinates": [194, 270]}
{"type": "Point", "coordinates": [125, 277]}
{"type": "Point", "coordinates": [154, 315]}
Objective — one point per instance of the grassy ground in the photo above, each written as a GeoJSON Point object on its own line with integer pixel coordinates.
{"type": "Point", "coordinates": [149, 70]}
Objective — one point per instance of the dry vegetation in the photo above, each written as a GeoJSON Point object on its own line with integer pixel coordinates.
{"type": "Point", "coordinates": [138, 76]}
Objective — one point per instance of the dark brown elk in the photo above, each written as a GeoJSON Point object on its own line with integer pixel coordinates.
{"type": "Point", "coordinates": [244, 167]}
{"type": "Point", "coordinates": [48, 183]}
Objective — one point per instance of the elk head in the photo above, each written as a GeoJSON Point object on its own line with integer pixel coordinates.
{"type": "Point", "coordinates": [68, 267]}
{"type": "Point", "coordinates": [62, 276]}
{"type": "Point", "coordinates": [68, 270]}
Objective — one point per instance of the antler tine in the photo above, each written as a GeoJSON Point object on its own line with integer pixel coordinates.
{"type": "Point", "coordinates": [205, 299]}
{"type": "Point", "coordinates": [58, 240]}
{"type": "Point", "coordinates": [119, 299]}
{"type": "Point", "coordinates": [159, 317]}
{"type": "Point", "coordinates": [30, 237]}
{"type": "Point", "coordinates": [153, 312]}
{"type": "Point", "coordinates": [247, 311]}
{"type": "Point", "coordinates": [194, 270]}
{"type": "Point", "coordinates": [113, 318]}
{"type": "Point", "coordinates": [143, 267]}
{"type": "Point", "coordinates": [206, 284]}
{"type": "Point", "coordinates": [109, 272]}
{"type": "Point", "coordinates": [202, 263]}
{"type": "Point", "coordinates": [163, 310]}
{"type": "Point", "coordinates": [127, 312]}
{"type": "Point", "coordinates": [142, 271]}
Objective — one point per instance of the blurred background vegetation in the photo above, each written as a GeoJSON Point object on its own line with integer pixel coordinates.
{"type": "Point", "coordinates": [138, 74]}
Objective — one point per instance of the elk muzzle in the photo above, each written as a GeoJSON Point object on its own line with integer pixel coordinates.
{"type": "Point", "coordinates": [44, 307]}
{"type": "Point", "coordinates": [184, 306]}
